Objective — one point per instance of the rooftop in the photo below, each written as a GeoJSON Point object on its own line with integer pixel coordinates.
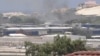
{"type": "Point", "coordinates": [85, 53]}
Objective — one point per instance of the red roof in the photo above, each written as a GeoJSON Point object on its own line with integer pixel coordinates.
{"type": "Point", "coordinates": [85, 53]}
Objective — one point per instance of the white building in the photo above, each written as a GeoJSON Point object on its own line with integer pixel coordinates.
{"type": "Point", "coordinates": [94, 43]}
{"type": "Point", "coordinates": [90, 3]}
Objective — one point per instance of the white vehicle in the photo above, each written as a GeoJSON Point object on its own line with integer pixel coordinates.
{"type": "Point", "coordinates": [17, 35]}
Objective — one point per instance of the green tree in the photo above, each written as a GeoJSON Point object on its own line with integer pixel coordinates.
{"type": "Point", "coordinates": [32, 20]}
{"type": "Point", "coordinates": [60, 46]}
{"type": "Point", "coordinates": [31, 48]}
{"type": "Point", "coordinates": [15, 19]}
{"type": "Point", "coordinates": [79, 45]}
{"type": "Point", "coordinates": [47, 48]}
{"type": "Point", "coordinates": [63, 45]}
{"type": "Point", "coordinates": [25, 20]}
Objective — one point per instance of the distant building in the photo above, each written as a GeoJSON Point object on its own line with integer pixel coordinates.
{"type": "Point", "coordinates": [11, 14]}
{"type": "Point", "coordinates": [51, 29]}
{"type": "Point", "coordinates": [87, 4]}
{"type": "Point", "coordinates": [25, 30]}
{"type": "Point", "coordinates": [90, 3]}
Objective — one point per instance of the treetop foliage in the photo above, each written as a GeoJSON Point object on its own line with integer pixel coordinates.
{"type": "Point", "coordinates": [60, 46]}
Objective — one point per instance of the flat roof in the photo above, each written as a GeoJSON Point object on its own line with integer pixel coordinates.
{"type": "Point", "coordinates": [92, 39]}
{"type": "Point", "coordinates": [27, 28]}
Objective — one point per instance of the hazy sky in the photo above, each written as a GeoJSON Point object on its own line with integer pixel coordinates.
{"type": "Point", "coordinates": [34, 5]}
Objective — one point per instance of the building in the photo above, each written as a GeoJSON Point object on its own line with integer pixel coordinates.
{"type": "Point", "coordinates": [93, 43]}
{"type": "Point", "coordinates": [87, 4]}
{"type": "Point", "coordinates": [94, 29]}
{"type": "Point", "coordinates": [25, 30]}
{"type": "Point", "coordinates": [36, 30]}
{"type": "Point", "coordinates": [88, 30]}
{"type": "Point", "coordinates": [90, 3]}
{"type": "Point", "coordinates": [85, 53]}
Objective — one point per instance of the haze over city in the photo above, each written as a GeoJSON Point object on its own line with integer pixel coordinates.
{"type": "Point", "coordinates": [36, 5]}
{"type": "Point", "coordinates": [49, 27]}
